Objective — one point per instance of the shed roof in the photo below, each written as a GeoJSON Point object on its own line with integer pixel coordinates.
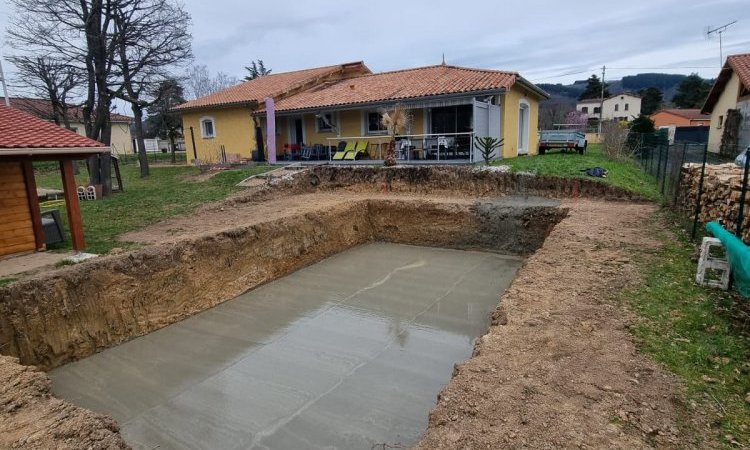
{"type": "Point", "coordinates": [402, 85]}
{"type": "Point", "coordinates": [23, 134]}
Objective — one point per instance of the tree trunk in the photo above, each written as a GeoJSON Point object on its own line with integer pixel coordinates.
{"type": "Point", "coordinates": [172, 146]}
{"type": "Point", "coordinates": [142, 157]}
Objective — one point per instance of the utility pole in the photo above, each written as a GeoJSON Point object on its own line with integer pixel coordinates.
{"type": "Point", "coordinates": [601, 102]}
{"type": "Point", "coordinates": [720, 30]}
{"type": "Point", "coordinates": [5, 86]}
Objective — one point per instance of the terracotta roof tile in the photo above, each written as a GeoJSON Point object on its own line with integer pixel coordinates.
{"type": "Point", "coordinates": [271, 85]}
{"type": "Point", "coordinates": [42, 108]}
{"type": "Point", "coordinates": [19, 129]}
{"type": "Point", "coordinates": [692, 114]}
{"type": "Point", "coordinates": [399, 85]}
{"type": "Point", "coordinates": [739, 64]}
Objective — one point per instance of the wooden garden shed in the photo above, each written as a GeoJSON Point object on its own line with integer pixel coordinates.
{"type": "Point", "coordinates": [23, 140]}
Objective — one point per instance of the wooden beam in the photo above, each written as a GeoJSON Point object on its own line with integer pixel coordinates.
{"type": "Point", "coordinates": [71, 203]}
{"type": "Point", "coordinates": [36, 213]}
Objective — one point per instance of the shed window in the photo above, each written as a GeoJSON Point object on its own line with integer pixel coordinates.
{"type": "Point", "coordinates": [207, 128]}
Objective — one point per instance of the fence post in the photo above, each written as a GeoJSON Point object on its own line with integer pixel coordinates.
{"type": "Point", "coordinates": [700, 193]}
{"type": "Point", "coordinates": [741, 214]}
{"type": "Point", "coordinates": [666, 160]}
{"type": "Point", "coordinates": [658, 165]}
{"type": "Point", "coordinates": [679, 174]}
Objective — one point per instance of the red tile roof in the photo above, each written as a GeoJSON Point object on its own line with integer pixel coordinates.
{"type": "Point", "coordinates": [401, 85]}
{"type": "Point", "coordinates": [739, 64]}
{"type": "Point", "coordinates": [273, 85]}
{"type": "Point", "coordinates": [691, 114]}
{"type": "Point", "coordinates": [20, 130]}
{"type": "Point", "coordinates": [42, 108]}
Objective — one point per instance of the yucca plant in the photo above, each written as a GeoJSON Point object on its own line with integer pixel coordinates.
{"type": "Point", "coordinates": [395, 121]}
{"type": "Point", "coordinates": [487, 146]}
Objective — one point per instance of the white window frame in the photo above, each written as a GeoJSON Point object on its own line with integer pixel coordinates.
{"type": "Point", "coordinates": [366, 123]}
{"type": "Point", "coordinates": [524, 133]}
{"type": "Point", "coordinates": [332, 121]}
{"type": "Point", "coordinates": [203, 120]}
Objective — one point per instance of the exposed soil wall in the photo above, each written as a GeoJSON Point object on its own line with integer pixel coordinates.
{"type": "Point", "coordinates": [76, 311]}
{"type": "Point", "coordinates": [456, 180]}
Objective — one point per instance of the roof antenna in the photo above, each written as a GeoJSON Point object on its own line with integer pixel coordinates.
{"type": "Point", "coordinates": [443, 58]}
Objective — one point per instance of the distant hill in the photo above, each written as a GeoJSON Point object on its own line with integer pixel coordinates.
{"type": "Point", "coordinates": [632, 83]}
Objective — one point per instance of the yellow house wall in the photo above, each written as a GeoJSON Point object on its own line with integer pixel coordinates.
{"type": "Point", "coordinates": [233, 128]}
{"type": "Point", "coordinates": [120, 141]}
{"type": "Point", "coordinates": [511, 103]}
{"type": "Point", "coordinates": [727, 100]}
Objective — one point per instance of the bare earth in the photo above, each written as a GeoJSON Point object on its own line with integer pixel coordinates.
{"type": "Point", "coordinates": [557, 369]}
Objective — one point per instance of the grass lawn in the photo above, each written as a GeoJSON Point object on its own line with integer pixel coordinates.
{"type": "Point", "coordinates": [624, 174]}
{"type": "Point", "coordinates": [167, 192]}
{"type": "Point", "coordinates": [700, 334]}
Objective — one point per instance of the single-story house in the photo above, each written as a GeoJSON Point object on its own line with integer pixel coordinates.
{"type": "Point", "coordinates": [23, 140]}
{"type": "Point", "coordinates": [322, 107]}
{"type": "Point", "coordinates": [680, 118]}
{"type": "Point", "coordinates": [121, 141]}
{"type": "Point", "coordinates": [624, 106]}
{"type": "Point", "coordinates": [728, 103]}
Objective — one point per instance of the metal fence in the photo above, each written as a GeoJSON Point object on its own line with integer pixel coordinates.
{"type": "Point", "coordinates": [667, 164]}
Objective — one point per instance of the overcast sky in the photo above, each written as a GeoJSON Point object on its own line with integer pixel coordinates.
{"type": "Point", "coordinates": [541, 39]}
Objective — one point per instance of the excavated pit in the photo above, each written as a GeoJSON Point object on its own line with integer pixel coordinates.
{"type": "Point", "coordinates": [74, 312]}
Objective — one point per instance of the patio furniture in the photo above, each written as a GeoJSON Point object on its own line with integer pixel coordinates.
{"type": "Point", "coordinates": [340, 154]}
{"type": "Point", "coordinates": [360, 147]}
{"type": "Point", "coordinates": [306, 152]}
{"type": "Point", "coordinates": [52, 226]}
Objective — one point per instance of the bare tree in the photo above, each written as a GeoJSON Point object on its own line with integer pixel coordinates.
{"type": "Point", "coordinates": [152, 39]}
{"type": "Point", "coordinates": [79, 32]}
{"type": "Point", "coordinates": [53, 80]}
{"type": "Point", "coordinates": [199, 82]}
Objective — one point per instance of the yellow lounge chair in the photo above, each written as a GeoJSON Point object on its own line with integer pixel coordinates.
{"type": "Point", "coordinates": [340, 154]}
{"type": "Point", "coordinates": [361, 147]}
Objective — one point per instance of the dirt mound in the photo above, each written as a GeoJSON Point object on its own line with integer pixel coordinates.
{"type": "Point", "coordinates": [31, 418]}
{"type": "Point", "coordinates": [558, 367]}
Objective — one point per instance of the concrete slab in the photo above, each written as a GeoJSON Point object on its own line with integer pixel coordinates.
{"type": "Point", "coordinates": [18, 264]}
{"type": "Point", "coordinates": [348, 353]}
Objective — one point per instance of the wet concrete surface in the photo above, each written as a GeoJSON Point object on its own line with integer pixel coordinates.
{"type": "Point", "coordinates": [344, 354]}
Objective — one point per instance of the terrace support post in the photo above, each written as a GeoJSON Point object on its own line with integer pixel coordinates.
{"type": "Point", "coordinates": [271, 130]}
{"type": "Point", "coordinates": [71, 203]}
{"type": "Point", "coordinates": [36, 213]}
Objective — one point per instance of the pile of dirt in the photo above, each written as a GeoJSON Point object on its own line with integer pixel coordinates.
{"type": "Point", "coordinates": [31, 418]}
{"type": "Point", "coordinates": [558, 367]}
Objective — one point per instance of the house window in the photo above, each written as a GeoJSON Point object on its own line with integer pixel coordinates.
{"type": "Point", "coordinates": [626, 106]}
{"type": "Point", "coordinates": [617, 107]}
{"type": "Point", "coordinates": [375, 123]}
{"type": "Point", "coordinates": [585, 110]}
{"type": "Point", "coordinates": [597, 110]}
{"type": "Point", "coordinates": [208, 130]}
{"type": "Point", "coordinates": [721, 122]}
{"type": "Point", "coordinates": [324, 123]}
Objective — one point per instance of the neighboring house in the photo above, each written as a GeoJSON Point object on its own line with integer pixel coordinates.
{"type": "Point", "coordinates": [730, 95]}
{"type": "Point", "coordinates": [680, 118]}
{"type": "Point", "coordinates": [121, 141]}
{"type": "Point", "coordinates": [623, 106]}
{"type": "Point", "coordinates": [24, 139]}
{"type": "Point", "coordinates": [342, 103]}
